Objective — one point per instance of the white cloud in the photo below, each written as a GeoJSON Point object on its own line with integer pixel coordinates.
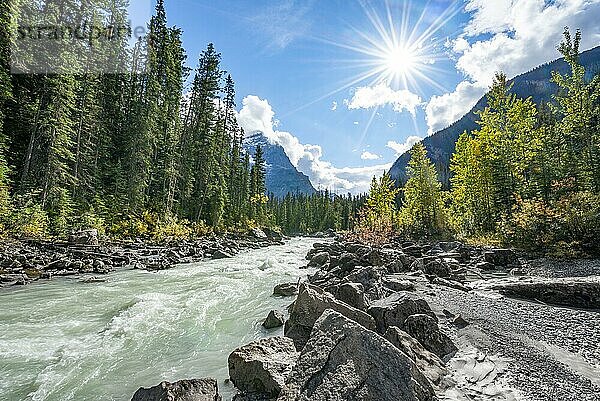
{"type": "Point", "coordinates": [257, 115]}
{"type": "Point", "coordinates": [519, 35]}
{"type": "Point", "coordinates": [401, 148]}
{"type": "Point", "coordinates": [367, 97]}
{"type": "Point", "coordinates": [355, 123]}
{"type": "Point", "coordinates": [441, 111]}
{"type": "Point", "coordinates": [334, 106]}
{"type": "Point", "coordinates": [369, 156]}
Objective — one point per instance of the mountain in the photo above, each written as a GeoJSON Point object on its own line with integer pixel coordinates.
{"type": "Point", "coordinates": [282, 177]}
{"type": "Point", "coordinates": [535, 83]}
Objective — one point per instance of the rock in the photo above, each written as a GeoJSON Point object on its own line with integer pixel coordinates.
{"type": "Point", "coordinates": [413, 250]}
{"type": "Point", "coordinates": [501, 257]}
{"type": "Point", "coordinates": [575, 292]}
{"type": "Point", "coordinates": [430, 364]}
{"type": "Point", "coordinates": [257, 233]}
{"type": "Point", "coordinates": [460, 322]}
{"type": "Point", "coordinates": [353, 294]}
{"type": "Point", "coordinates": [425, 329]}
{"type": "Point", "coordinates": [262, 366]}
{"type": "Point", "coordinates": [370, 277]}
{"type": "Point", "coordinates": [319, 260]}
{"type": "Point", "coordinates": [84, 237]}
{"type": "Point", "coordinates": [450, 283]}
{"type": "Point", "coordinates": [397, 284]}
{"type": "Point", "coordinates": [343, 361]}
{"type": "Point", "coordinates": [273, 234]}
{"type": "Point", "coordinates": [219, 254]}
{"type": "Point", "coordinates": [437, 268]}
{"type": "Point", "coordinates": [348, 261]}
{"type": "Point", "coordinates": [274, 319]}
{"type": "Point", "coordinates": [285, 289]}
{"type": "Point", "coordinates": [393, 310]}
{"type": "Point", "coordinates": [183, 390]}
{"type": "Point", "coordinates": [485, 266]}
{"type": "Point", "coordinates": [312, 301]}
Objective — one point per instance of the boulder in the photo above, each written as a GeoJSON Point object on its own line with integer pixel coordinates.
{"type": "Point", "coordinates": [437, 268]}
{"type": "Point", "coordinates": [397, 284]}
{"type": "Point", "coordinates": [312, 301]}
{"type": "Point", "coordinates": [274, 319]}
{"type": "Point", "coordinates": [319, 260]}
{"type": "Point", "coordinates": [575, 292]}
{"type": "Point", "coordinates": [257, 233]}
{"type": "Point", "coordinates": [353, 294]}
{"type": "Point", "coordinates": [370, 277]}
{"type": "Point", "coordinates": [220, 254]}
{"type": "Point", "coordinates": [343, 361]}
{"type": "Point", "coordinates": [393, 310]}
{"type": "Point", "coordinates": [501, 257]}
{"type": "Point", "coordinates": [425, 329]}
{"type": "Point", "coordinates": [285, 289]}
{"type": "Point", "coordinates": [430, 364]}
{"type": "Point", "coordinates": [348, 261]}
{"type": "Point", "coordinates": [183, 390]}
{"type": "Point", "coordinates": [262, 367]}
{"type": "Point", "coordinates": [84, 237]}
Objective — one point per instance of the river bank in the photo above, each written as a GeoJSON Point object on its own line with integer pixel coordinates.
{"type": "Point", "coordinates": [463, 323]}
{"type": "Point", "coordinates": [25, 261]}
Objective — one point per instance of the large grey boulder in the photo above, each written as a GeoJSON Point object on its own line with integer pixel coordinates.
{"type": "Point", "coordinates": [319, 260]}
{"type": "Point", "coordinates": [261, 367]}
{"type": "Point", "coordinates": [285, 289]}
{"type": "Point", "coordinates": [425, 329]}
{"type": "Point", "coordinates": [84, 237]}
{"type": "Point", "coordinates": [501, 257]}
{"type": "Point", "coordinates": [311, 302]}
{"type": "Point", "coordinates": [343, 361]}
{"type": "Point", "coordinates": [577, 292]}
{"type": "Point", "coordinates": [353, 294]}
{"type": "Point", "coordinates": [183, 390]}
{"type": "Point", "coordinates": [393, 310]}
{"type": "Point", "coordinates": [430, 364]}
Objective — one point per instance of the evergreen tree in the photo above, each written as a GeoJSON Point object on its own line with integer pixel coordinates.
{"type": "Point", "coordinates": [423, 208]}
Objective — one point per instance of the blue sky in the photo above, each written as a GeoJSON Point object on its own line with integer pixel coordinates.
{"type": "Point", "coordinates": [296, 64]}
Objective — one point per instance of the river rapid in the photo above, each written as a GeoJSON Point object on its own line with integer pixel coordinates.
{"type": "Point", "coordinates": [67, 340]}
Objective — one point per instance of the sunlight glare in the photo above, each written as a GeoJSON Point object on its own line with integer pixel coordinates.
{"type": "Point", "coordinates": [399, 61]}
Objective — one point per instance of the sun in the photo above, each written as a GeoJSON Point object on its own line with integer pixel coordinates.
{"type": "Point", "coordinates": [400, 61]}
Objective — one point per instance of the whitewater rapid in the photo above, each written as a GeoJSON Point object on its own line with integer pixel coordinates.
{"type": "Point", "coordinates": [65, 340]}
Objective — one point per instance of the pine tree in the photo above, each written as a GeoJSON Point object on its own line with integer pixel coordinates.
{"type": "Point", "coordinates": [423, 208]}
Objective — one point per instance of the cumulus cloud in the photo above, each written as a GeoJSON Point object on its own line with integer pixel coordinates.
{"type": "Point", "coordinates": [257, 115]}
{"type": "Point", "coordinates": [401, 148]}
{"type": "Point", "coordinates": [367, 97]}
{"type": "Point", "coordinates": [334, 106]}
{"type": "Point", "coordinates": [366, 155]}
{"type": "Point", "coordinates": [519, 35]}
{"type": "Point", "coordinates": [441, 111]}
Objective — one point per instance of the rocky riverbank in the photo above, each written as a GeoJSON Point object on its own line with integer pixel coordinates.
{"type": "Point", "coordinates": [25, 261]}
{"type": "Point", "coordinates": [411, 321]}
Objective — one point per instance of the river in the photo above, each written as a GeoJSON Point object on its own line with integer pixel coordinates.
{"type": "Point", "coordinates": [65, 340]}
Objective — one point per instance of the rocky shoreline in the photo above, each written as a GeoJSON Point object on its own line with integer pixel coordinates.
{"type": "Point", "coordinates": [387, 323]}
{"type": "Point", "coordinates": [25, 261]}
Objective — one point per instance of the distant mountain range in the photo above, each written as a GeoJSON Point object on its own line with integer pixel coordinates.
{"type": "Point", "coordinates": [535, 83]}
{"type": "Point", "coordinates": [281, 175]}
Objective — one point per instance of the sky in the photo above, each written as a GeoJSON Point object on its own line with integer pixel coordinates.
{"type": "Point", "coordinates": [345, 86]}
